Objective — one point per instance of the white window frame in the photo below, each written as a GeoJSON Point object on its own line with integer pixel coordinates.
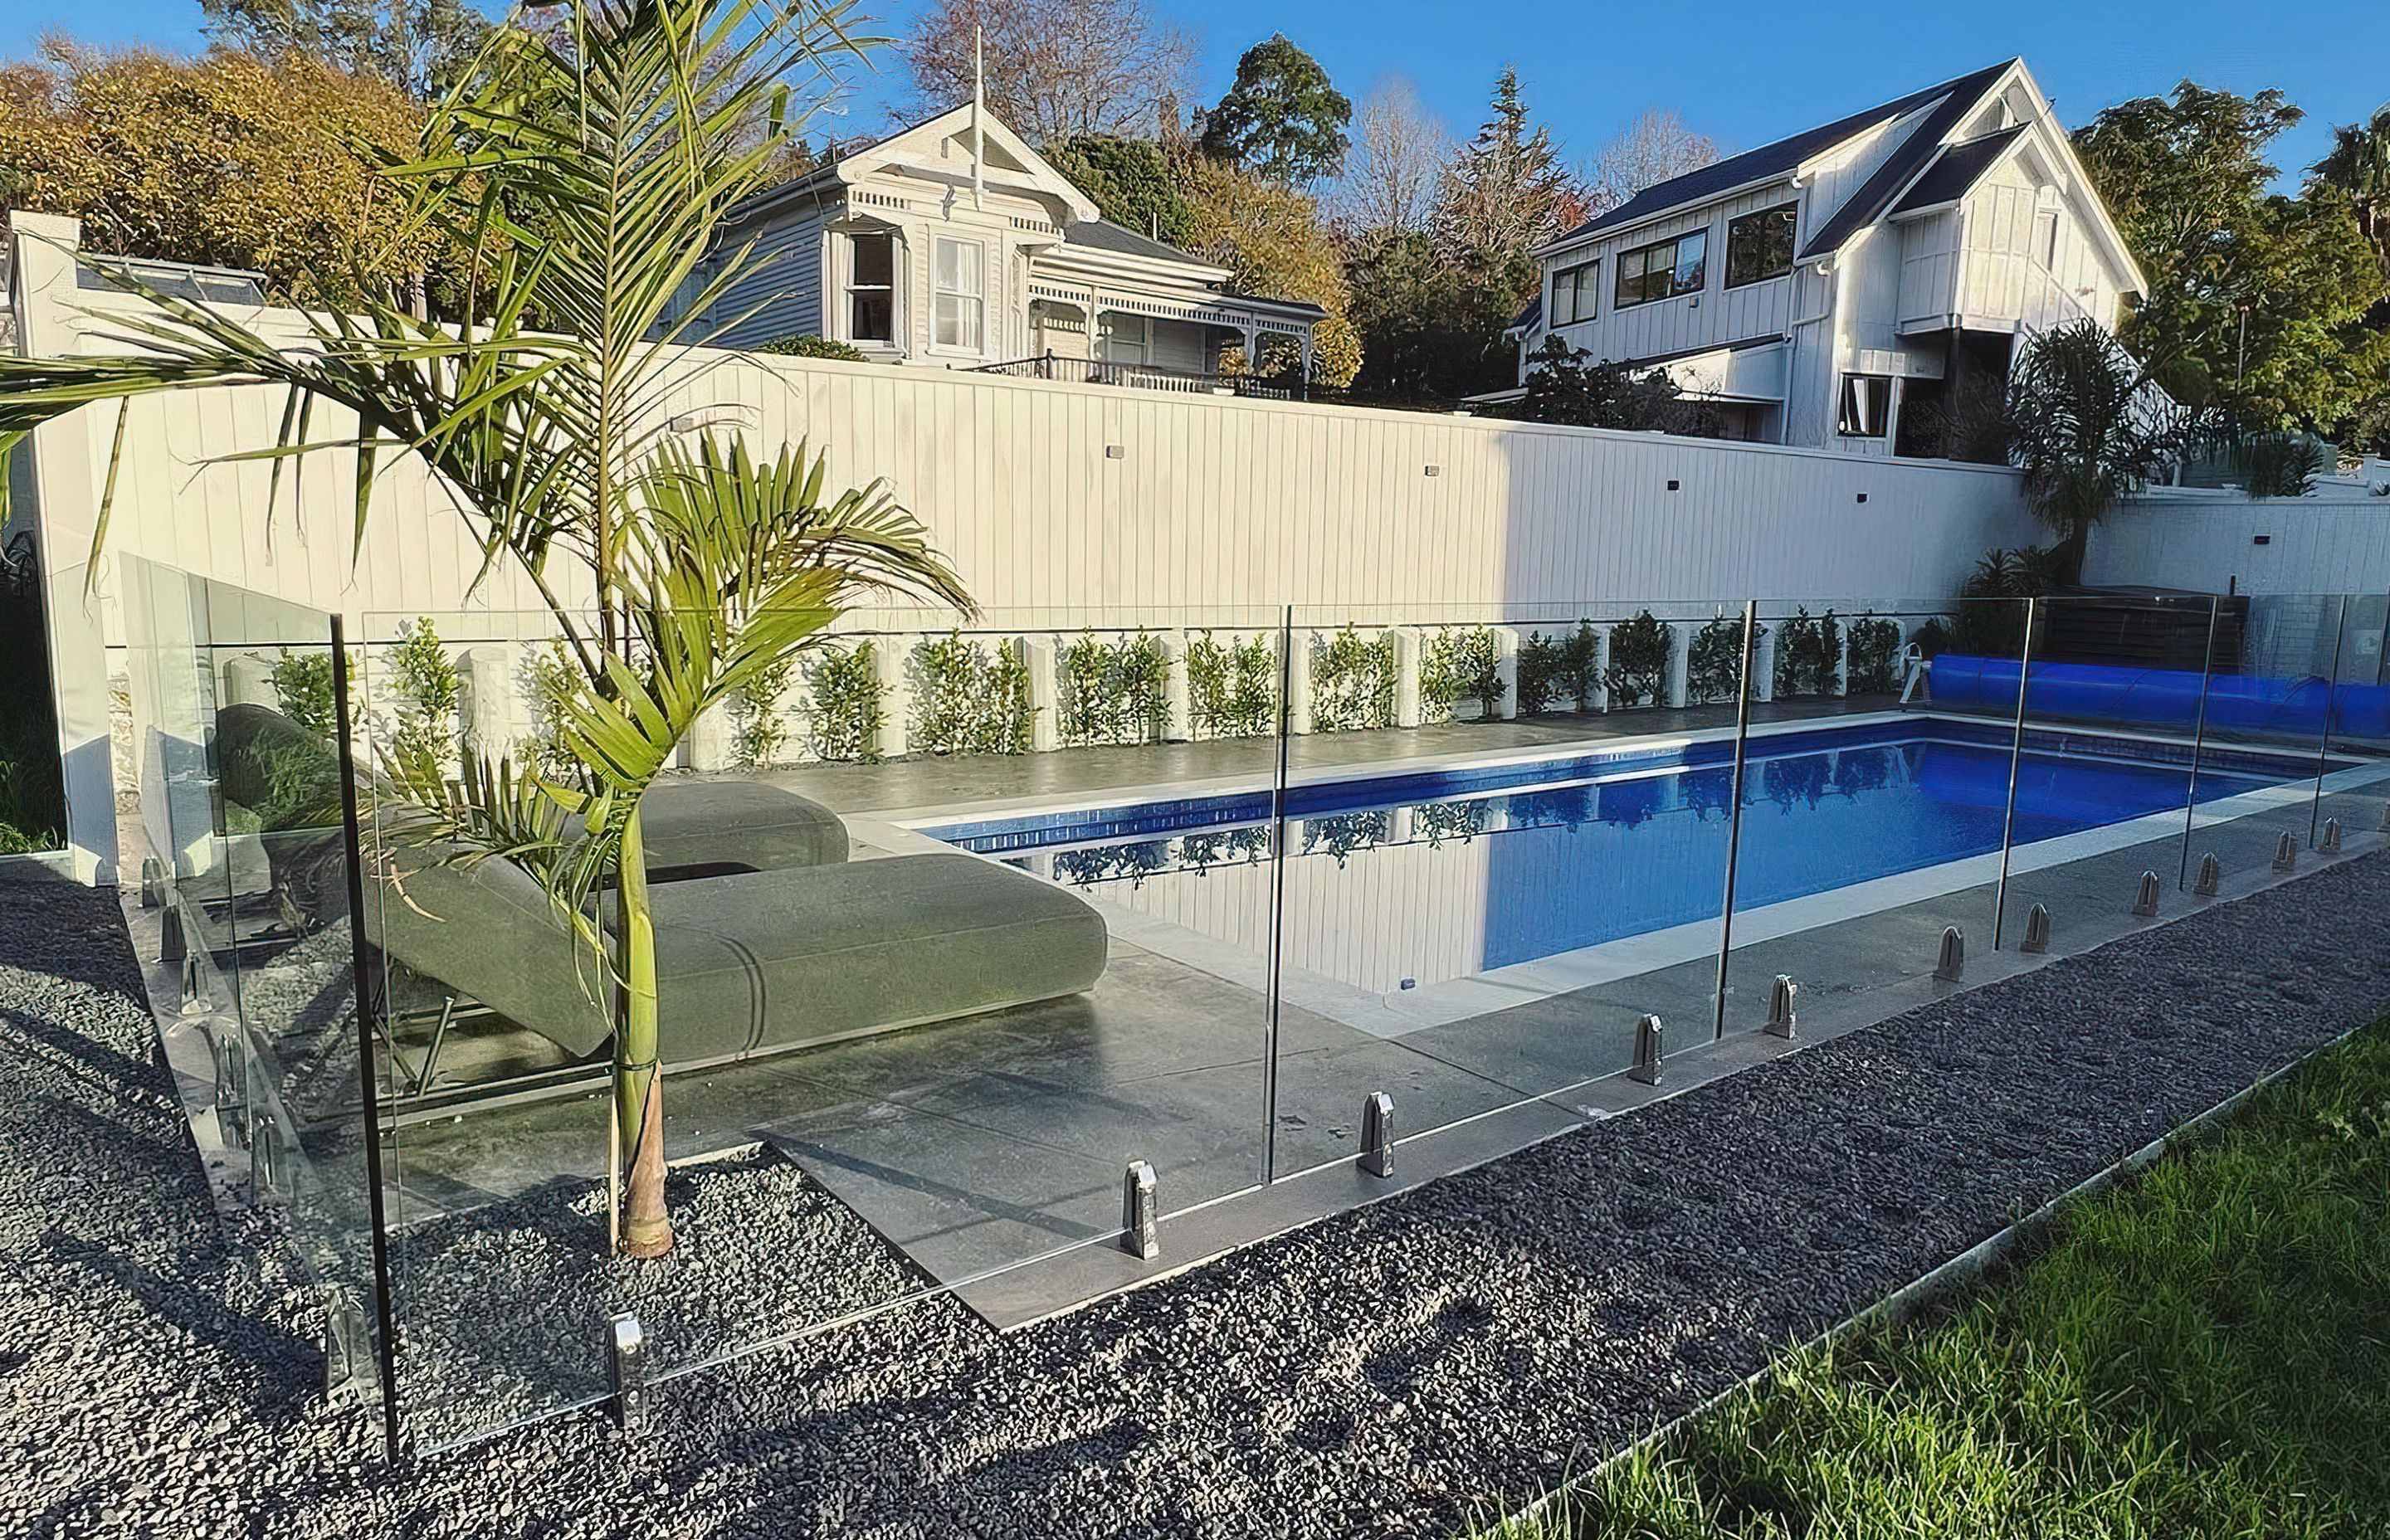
{"type": "Point", "coordinates": [969, 296]}
{"type": "Point", "coordinates": [893, 289]}
{"type": "Point", "coordinates": [1110, 320]}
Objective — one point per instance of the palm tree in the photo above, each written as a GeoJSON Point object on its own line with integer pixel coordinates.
{"type": "Point", "coordinates": [2359, 165]}
{"type": "Point", "coordinates": [586, 161]}
{"type": "Point", "coordinates": [2086, 426]}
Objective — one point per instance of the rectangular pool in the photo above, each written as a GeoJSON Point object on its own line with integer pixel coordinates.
{"type": "Point", "coordinates": [1401, 881]}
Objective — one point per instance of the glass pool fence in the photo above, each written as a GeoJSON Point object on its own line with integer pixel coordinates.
{"type": "Point", "coordinates": [966, 930]}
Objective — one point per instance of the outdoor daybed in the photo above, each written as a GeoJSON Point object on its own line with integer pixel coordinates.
{"type": "Point", "coordinates": [768, 937]}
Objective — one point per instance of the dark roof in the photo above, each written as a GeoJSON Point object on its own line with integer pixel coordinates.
{"type": "Point", "coordinates": [1865, 206]}
{"type": "Point", "coordinates": [1529, 316]}
{"type": "Point", "coordinates": [1102, 234]}
{"type": "Point", "coordinates": [1780, 159]}
{"type": "Point", "coordinates": [1947, 179]}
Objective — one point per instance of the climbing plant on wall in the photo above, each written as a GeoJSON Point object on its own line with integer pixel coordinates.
{"type": "Point", "coordinates": [1232, 686]}
{"type": "Point", "coordinates": [1461, 665]}
{"type": "Point", "coordinates": [758, 730]}
{"type": "Point", "coordinates": [1638, 661]}
{"type": "Point", "coordinates": [1556, 673]}
{"type": "Point", "coordinates": [1713, 661]}
{"type": "Point", "coordinates": [1114, 692]}
{"type": "Point", "coordinates": [1353, 682]}
{"type": "Point", "coordinates": [968, 700]}
{"type": "Point", "coordinates": [1808, 655]}
{"type": "Point", "coordinates": [843, 709]}
{"type": "Point", "coordinates": [1875, 656]}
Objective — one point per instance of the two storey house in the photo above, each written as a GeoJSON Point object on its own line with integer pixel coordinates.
{"type": "Point", "coordinates": [1834, 288]}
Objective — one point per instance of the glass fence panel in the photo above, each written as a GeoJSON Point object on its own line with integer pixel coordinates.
{"type": "Point", "coordinates": [2262, 731]}
{"type": "Point", "coordinates": [33, 786]}
{"type": "Point", "coordinates": [2355, 799]}
{"type": "Point", "coordinates": [490, 1015]}
{"type": "Point", "coordinates": [2104, 783]}
{"type": "Point", "coordinates": [1505, 846]}
{"type": "Point", "coordinates": [1874, 783]}
{"type": "Point", "coordinates": [954, 924]}
{"type": "Point", "coordinates": [239, 778]}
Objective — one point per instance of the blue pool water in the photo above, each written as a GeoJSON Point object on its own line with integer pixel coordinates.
{"type": "Point", "coordinates": [1442, 874]}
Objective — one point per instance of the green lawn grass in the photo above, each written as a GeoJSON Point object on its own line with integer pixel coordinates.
{"type": "Point", "coordinates": [2204, 1351]}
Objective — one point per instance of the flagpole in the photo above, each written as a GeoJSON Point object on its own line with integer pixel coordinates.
{"type": "Point", "coordinates": [979, 96]}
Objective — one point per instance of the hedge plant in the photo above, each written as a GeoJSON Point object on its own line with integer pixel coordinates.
{"type": "Point", "coordinates": [1713, 661]}
{"type": "Point", "coordinates": [1232, 686]}
{"type": "Point", "coordinates": [1638, 661]}
{"type": "Point", "coordinates": [1875, 656]}
{"type": "Point", "coordinates": [969, 700]}
{"type": "Point", "coordinates": [1353, 682]}
{"type": "Point", "coordinates": [423, 694]}
{"type": "Point", "coordinates": [1808, 654]}
{"type": "Point", "coordinates": [1557, 672]}
{"type": "Point", "coordinates": [1457, 666]}
{"type": "Point", "coordinates": [302, 683]}
{"type": "Point", "coordinates": [843, 707]}
{"type": "Point", "coordinates": [758, 731]}
{"type": "Point", "coordinates": [1114, 692]}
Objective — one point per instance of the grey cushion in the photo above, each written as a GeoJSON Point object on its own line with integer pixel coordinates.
{"type": "Point", "coordinates": [704, 828]}
{"type": "Point", "coordinates": [759, 960]}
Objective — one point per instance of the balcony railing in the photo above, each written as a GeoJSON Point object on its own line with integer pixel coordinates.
{"type": "Point", "coordinates": [1143, 377]}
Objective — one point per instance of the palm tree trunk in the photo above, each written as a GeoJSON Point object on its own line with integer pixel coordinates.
{"type": "Point", "coordinates": [639, 1075]}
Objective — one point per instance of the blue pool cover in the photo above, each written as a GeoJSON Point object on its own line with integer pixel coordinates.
{"type": "Point", "coordinates": [2162, 697]}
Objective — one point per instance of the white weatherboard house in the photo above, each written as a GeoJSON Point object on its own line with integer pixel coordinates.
{"type": "Point", "coordinates": [954, 244]}
{"type": "Point", "coordinates": [1829, 289]}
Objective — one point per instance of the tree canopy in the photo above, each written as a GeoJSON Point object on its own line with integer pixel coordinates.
{"type": "Point", "coordinates": [1268, 235]}
{"type": "Point", "coordinates": [1055, 68]}
{"type": "Point", "coordinates": [2256, 300]}
{"type": "Point", "coordinates": [1132, 183]}
{"type": "Point", "coordinates": [223, 161]}
{"type": "Point", "coordinates": [1280, 117]}
{"type": "Point", "coordinates": [420, 46]}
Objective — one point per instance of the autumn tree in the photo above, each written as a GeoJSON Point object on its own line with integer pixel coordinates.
{"type": "Point", "coordinates": [223, 161]}
{"type": "Point", "coordinates": [1055, 68]}
{"type": "Point", "coordinates": [1270, 235]}
{"type": "Point", "coordinates": [1281, 116]}
{"type": "Point", "coordinates": [1397, 164]}
{"type": "Point", "coordinates": [1655, 147]}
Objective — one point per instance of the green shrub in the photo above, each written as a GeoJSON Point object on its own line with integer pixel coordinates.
{"type": "Point", "coordinates": [544, 678]}
{"type": "Point", "coordinates": [1232, 686]}
{"type": "Point", "coordinates": [1713, 661]}
{"type": "Point", "coordinates": [758, 731]}
{"type": "Point", "coordinates": [807, 345]}
{"type": "Point", "coordinates": [1353, 682]}
{"type": "Point", "coordinates": [1809, 653]}
{"type": "Point", "coordinates": [1461, 665]}
{"type": "Point", "coordinates": [1112, 692]}
{"type": "Point", "coordinates": [968, 701]}
{"type": "Point", "coordinates": [1638, 661]}
{"type": "Point", "coordinates": [302, 684]}
{"type": "Point", "coordinates": [844, 710]}
{"type": "Point", "coordinates": [423, 692]}
{"type": "Point", "coordinates": [1875, 656]}
{"type": "Point", "coordinates": [1556, 673]}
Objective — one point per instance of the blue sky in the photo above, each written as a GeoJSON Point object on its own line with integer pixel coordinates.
{"type": "Point", "coordinates": [1743, 73]}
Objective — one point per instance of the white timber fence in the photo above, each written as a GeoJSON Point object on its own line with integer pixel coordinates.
{"type": "Point", "coordinates": [1080, 505]}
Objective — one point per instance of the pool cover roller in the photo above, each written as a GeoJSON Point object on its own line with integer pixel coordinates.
{"type": "Point", "coordinates": [2162, 697]}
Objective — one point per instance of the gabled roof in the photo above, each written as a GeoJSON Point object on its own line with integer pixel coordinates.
{"type": "Point", "coordinates": [853, 163]}
{"type": "Point", "coordinates": [1875, 195]}
{"type": "Point", "coordinates": [1962, 166]}
{"type": "Point", "coordinates": [1784, 157]}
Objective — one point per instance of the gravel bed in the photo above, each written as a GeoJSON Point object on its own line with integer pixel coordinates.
{"type": "Point", "coordinates": [1398, 1370]}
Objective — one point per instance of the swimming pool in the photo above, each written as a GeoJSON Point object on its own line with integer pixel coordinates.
{"type": "Point", "coordinates": [1401, 881]}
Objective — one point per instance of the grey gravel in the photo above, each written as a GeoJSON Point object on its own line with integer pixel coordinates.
{"type": "Point", "coordinates": [1395, 1372]}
